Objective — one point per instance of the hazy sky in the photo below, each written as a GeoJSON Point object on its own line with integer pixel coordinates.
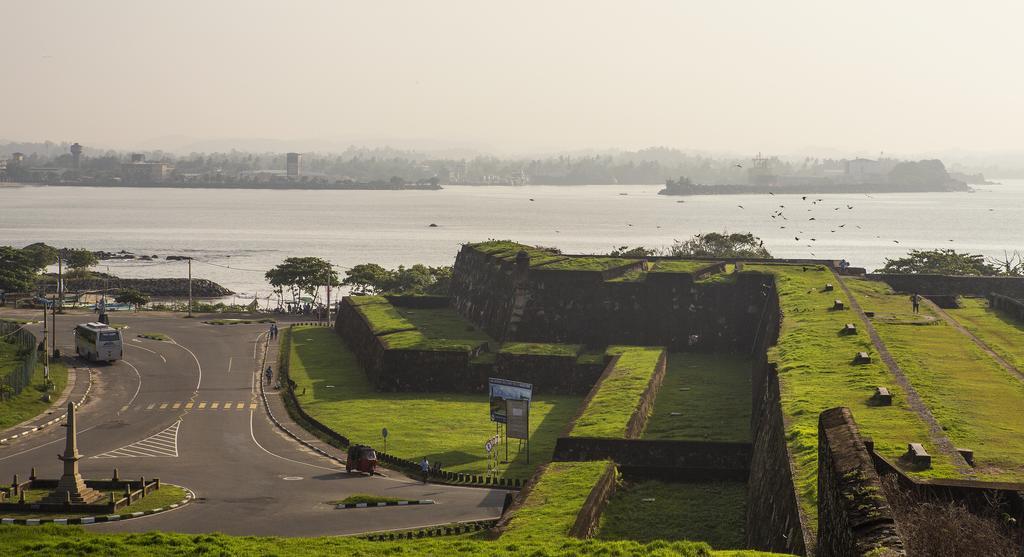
{"type": "Point", "coordinates": [519, 76]}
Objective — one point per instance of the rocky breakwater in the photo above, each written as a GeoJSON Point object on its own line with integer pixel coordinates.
{"type": "Point", "coordinates": [155, 287]}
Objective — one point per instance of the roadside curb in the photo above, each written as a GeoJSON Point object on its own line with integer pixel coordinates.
{"type": "Point", "coordinates": [282, 427]}
{"type": "Point", "coordinates": [40, 427]}
{"type": "Point", "coordinates": [384, 504]}
{"type": "Point", "coordinates": [189, 496]}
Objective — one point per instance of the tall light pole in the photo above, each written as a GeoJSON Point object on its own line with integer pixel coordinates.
{"type": "Point", "coordinates": [46, 355]}
{"type": "Point", "coordinates": [189, 287]}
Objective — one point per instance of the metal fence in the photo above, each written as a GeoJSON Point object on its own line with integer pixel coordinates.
{"type": "Point", "coordinates": [25, 343]}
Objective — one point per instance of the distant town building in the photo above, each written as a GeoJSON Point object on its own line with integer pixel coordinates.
{"type": "Point", "coordinates": [141, 172]}
{"type": "Point", "coordinates": [293, 166]}
{"type": "Point", "coordinates": [76, 156]}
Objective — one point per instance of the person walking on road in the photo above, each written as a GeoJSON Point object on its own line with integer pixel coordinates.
{"type": "Point", "coordinates": [268, 373]}
{"type": "Point", "coordinates": [425, 468]}
{"type": "Point", "coordinates": [915, 301]}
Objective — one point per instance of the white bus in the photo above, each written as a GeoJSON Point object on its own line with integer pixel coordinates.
{"type": "Point", "coordinates": [98, 342]}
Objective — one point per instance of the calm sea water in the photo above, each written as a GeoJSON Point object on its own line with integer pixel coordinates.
{"type": "Point", "coordinates": [236, 235]}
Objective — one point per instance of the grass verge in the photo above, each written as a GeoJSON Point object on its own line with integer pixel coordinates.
{"type": "Point", "coordinates": [38, 541]}
{"type": "Point", "coordinates": [29, 403]}
{"type": "Point", "coordinates": [1002, 333]}
{"type": "Point", "coordinates": [364, 498]}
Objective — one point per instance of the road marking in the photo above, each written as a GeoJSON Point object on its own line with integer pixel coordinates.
{"type": "Point", "coordinates": [150, 407]}
{"type": "Point", "coordinates": [163, 406]}
{"type": "Point", "coordinates": [189, 405]}
{"type": "Point", "coordinates": [229, 363]}
{"type": "Point", "coordinates": [214, 405]}
{"type": "Point", "coordinates": [202, 405]}
{"type": "Point", "coordinates": [227, 406]}
{"type": "Point", "coordinates": [253, 436]}
{"type": "Point", "coordinates": [137, 389]}
{"type": "Point", "coordinates": [163, 444]}
{"type": "Point", "coordinates": [123, 409]}
{"type": "Point", "coordinates": [252, 406]}
{"type": "Point", "coordinates": [240, 406]}
{"type": "Point", "coordinates": [147, 349]}
{"type": "Point", "coordinates": [176, 405]}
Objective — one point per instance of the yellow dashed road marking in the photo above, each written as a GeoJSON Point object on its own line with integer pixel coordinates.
{"type": "Point", "coordinates": [189, 405]}
{"type": "Point", "coordinates": [215, 405]}
{"type": "Point", "coordinates": [163, 406]}
{"type": "Point", "coordinates": [202, 405]}
{"type": "Point", "coordinates": [176, 405]}
{"type": "Point", "coordinates": [252, 406]}
{"type": "Point", "coordinates": [150, 407]}
{"type": "Point", "coordinates": [227, 406]}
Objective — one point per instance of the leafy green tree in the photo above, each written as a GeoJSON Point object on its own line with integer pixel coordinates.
{"type": "Point", "coordinates": [370, 278]}
{"type": "Point", "coordinates": [303, 274]}
{"type": "Point", "coordinates": [713, 244]}
{"type": "Point", "coordinates": [79, 260]}
{"type": "Point", "coordinates": [626, 251]}
{"type": "Point", "coordinates": [939, 262]}
{"type": "Point", "coordinates": [133, 297]}
{"type": "Point", "coordinates": [18, 269]}
{"type": "Point", "coordinates": [42, 254]}
{"type": "Point", "coordinates": [366, 278]}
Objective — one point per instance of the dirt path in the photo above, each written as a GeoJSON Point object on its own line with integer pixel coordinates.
{"type": "Point", "coordinates": [938, 437]}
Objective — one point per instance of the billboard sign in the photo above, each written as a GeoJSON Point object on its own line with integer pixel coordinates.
{"type": "Point", "coordinates": [502, 390]}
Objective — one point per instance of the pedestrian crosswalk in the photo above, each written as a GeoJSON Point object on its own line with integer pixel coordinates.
{"type": "Point", "coordinates": [201, 405]}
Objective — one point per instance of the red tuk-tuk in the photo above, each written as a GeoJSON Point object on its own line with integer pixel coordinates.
{"type": "Point", "coordinates": [361, 458]}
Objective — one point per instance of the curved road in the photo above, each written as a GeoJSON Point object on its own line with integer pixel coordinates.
{"type": "Point", "coordinates": [187, 411]}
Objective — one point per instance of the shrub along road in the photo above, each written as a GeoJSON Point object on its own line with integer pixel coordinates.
{"type": "Point", "coordinates": [187, 411]}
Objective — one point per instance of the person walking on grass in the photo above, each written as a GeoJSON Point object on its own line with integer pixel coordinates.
{"type": "Point", "coordinates": [915, 301]}
{"type": "Point", "coordinates": [425, 468]}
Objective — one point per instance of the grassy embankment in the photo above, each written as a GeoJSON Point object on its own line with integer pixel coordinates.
{"type": "Point", "coordinates": [714, 512]}
{"type": "Point", "coordinates": [1002, 333]}
{"type": "Point", "coordinates": [551, 506]}
{"type": "Point", "coordinates": [399, 331]}
{"type": "Point", "coordinates": [816, 372]}
{"type": "Point", "coordinates": [159, 499]}
{"type": "Point", "coordinates": [449, 429]}
{"type": "Point", "coordinates": [29, 403]}
{"type": "Point", "coordinates": [614, 403]}
{"type": "Point", "coordinates": [39, 541]}
{"type": "Point", "coordinates": [966, 390]}
{"type": "Point", "coordinates": [711, 395]}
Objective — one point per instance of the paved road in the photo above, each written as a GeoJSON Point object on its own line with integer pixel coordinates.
{"type": "Point", "coordinates": [187, 411]}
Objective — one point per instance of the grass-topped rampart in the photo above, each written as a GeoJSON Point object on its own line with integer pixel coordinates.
{"type": "Point", "coordinates": [554, 500]}
{"type": "Point", "coordinates": [816, 372]}
{"type": "Point", "coordinates": [612, 411]}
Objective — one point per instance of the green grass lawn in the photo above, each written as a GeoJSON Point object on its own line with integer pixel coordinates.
{"type": "Point", "coordinates": [966, 390]}
{"type": "Point", "coordinates": [588, 264]}
{"type": "Point", "coordinates": [678, 266]}
{"type": "Point", "coordinates": [444, 323]}
{"type": "Point", "coordinates": [449, 429]}
{"type": "Point", "coordinates": [711, 392]}
{"type": "Point", "coordinates": [612, 406]}
{"type": "Point", "coordinates": [507, 250]}
{"type": "Point", "coordinates": [45, 541]}
{"type": "Point", "coordinates": [551, 506]}
{"type": "Point", "coordinates": [383, 317]}
{"type": "Point", "coordinates": [161, 498]}
{"type": "Point", "coordinates": [540, 349]}
{"type": "Point", "coordinates": [29, 403]}
{"type": "Point", "coordinates": [238, 321]}
{"type": "Point", "coordinates": [415, 340]}
{"type": "Point", "coordinates": [1002, 333]}
{"type": "Point", "coordinates": [816, 373]}
{"type": "Point", "coordinates": [712, 512]}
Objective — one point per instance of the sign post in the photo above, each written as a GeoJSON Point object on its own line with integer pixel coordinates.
{"type": "Point", "coordinates": [510, 405]}
{"type": "Point", "coordinates": [518, 424]}
{"type": "Point", "coordinates": [384, 434]}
